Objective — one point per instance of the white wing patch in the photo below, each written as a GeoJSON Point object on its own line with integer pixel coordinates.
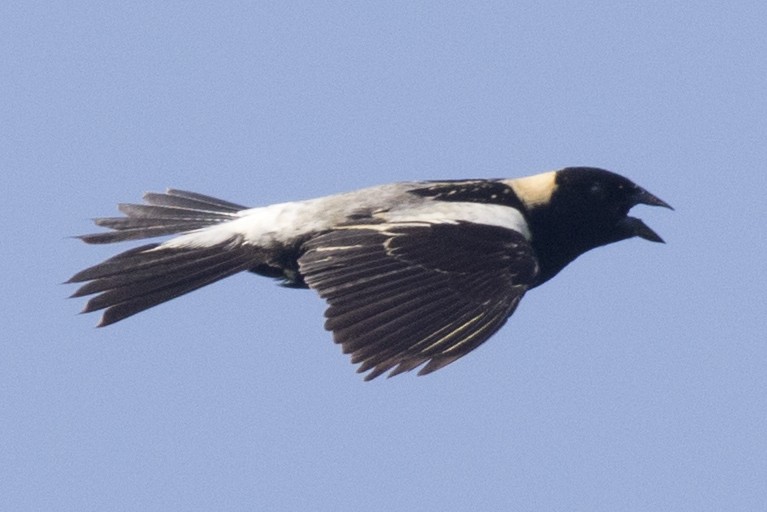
{"type": "Point", "coordinates": [443, 212]}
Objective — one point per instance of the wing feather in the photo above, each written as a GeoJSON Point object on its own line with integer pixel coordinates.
{"type": "Point", "coordinates": [405, 295]}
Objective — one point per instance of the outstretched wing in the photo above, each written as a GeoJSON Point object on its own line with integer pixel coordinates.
{"type": "Point", "coordinates": [404, 294]}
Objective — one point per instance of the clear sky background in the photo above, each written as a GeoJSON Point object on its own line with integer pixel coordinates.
{"type": "Point", "coordinates": [635, 380]}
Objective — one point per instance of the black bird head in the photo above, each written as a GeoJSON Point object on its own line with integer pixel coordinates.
{"type": "Point", "coordinates": [586, 208]}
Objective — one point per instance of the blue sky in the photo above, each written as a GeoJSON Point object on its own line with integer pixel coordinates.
{"type": "Point", "coordinates": [635, 380]}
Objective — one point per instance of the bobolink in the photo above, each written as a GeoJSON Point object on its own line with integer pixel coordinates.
{"type": "Point", "coordinates": [413, 273]}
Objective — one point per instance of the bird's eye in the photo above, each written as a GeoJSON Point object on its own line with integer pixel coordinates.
{"type": "Point", "coordinates": [596, 190]}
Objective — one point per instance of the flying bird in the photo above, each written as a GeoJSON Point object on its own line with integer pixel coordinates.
{"type": "Point", "coordinates": [414, 274]}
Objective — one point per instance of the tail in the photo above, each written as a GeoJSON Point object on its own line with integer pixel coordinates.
{"type": "Point", "coordinates": [175, 211]}
{"type": "Point", "coordinates": [149, 275]}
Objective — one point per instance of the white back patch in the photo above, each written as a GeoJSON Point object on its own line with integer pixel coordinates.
{"type": "Point", "coordinates": [261, 226]}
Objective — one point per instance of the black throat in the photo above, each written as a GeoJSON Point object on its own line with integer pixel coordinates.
{"type": "Point", "coordinates": [556, 242]}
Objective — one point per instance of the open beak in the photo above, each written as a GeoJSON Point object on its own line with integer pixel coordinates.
{"type": "Point", "coordinates": [641, 196]}
{"type": "Point", "coordinates": [635, 226]}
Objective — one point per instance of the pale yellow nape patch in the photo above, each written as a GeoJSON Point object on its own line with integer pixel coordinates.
{"type": "Point", "coordinates": [534, 190]}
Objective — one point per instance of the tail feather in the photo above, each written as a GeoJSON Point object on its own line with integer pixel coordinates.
{"type": "Point", "coordinates": [150, 211]}
{"type": "Point", "coordinates": [175, 211]}
{"type": "Point", "coordinates": [123, 234]}
{"type": "Point", "coordinates": [133, 271]}
{"type": "Point", "coordinates": [146, 276]}
{"type": "Point", "coordinates": [124, 223]}
{"type": "Point", "coordinates": [191, 200]}
{"type": "Point", "coordinates": [133, 282]}
{"type": "Point", "coordinates": [135, 259]}
{"type": "Point", "coordinates": [122, 310]}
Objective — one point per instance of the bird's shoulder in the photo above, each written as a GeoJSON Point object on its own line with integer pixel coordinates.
{"type": "Point", "coordinates": [487, 191]}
